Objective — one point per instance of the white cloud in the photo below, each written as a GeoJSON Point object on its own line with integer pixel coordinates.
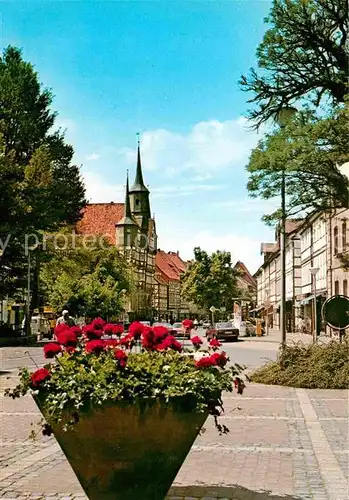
{"type": "Point", "coordinates": [99, 191]}
{"type": "Point", "coordinates": [241, 247]}
{"type": "Point", "coordinates": [250, 205]}
{"type": "Point", "coordinates": [186, 190]}
{"type": "Point", "coordinates": [92, 157]}
{"type": "Point", "coordinates": [209, 146]}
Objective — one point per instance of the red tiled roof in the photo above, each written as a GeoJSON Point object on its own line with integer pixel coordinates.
{"type": "Point", "coordinates": [246, 275]}
{"type": "Point", "coordinates": [100, 219]}
{"type": "Point", "coordinates": [170, 265]}
{"type": "Point", "coordinates": [292, 224]}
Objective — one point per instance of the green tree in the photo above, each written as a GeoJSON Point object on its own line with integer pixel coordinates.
{"type": "Point", "coordinates": [304, 54]}
{"type": "Point", "coordinates": [210, 280]}
{"type": "Point", "coordinates": [89, 280]}
{"type": "Point", "coordinates": [40, 189]}
{"type": "Point", "coordinates": [309, 151]}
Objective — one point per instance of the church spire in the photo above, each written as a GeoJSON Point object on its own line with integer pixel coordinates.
{"type": "Point", "coordinates": [127, 218]}
{"type": "Point", "coordinates": [138, 184]}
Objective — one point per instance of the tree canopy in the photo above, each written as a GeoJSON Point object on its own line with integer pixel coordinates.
{"type": "Point", "coordinates": [89, 281]}
{"type": "Point", "coordinates": [210, 280]}
{"type": "Point", "coordinates": [304, 55]}
{"type": "Point", "coordinates": [310, 151]}
{"type": "Point", "coordinates": [40, 189]}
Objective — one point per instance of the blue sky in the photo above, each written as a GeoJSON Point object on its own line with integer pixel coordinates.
{"type": "Point", "coordinates": [169, 70]}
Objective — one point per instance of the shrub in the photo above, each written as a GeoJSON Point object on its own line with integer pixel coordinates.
{"type": "Point", "coordinates": [317, 366]}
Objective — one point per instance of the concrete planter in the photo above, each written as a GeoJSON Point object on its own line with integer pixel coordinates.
{"type": "Point", "coordinates": [129, 451]}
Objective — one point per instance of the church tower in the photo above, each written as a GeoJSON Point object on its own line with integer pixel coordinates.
{"type": "Point", "coordinates": [139, 198]}
{"type": "Point", "coordinates": [126, 228]}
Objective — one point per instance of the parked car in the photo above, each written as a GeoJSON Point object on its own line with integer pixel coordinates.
{"type": "Point", "coordinates": [179, 331]}
{"type": "Point", "coordinates": [145, 323]}
{"type": "Point", "coordinates": [206, 325]}
{"type": "Point", "coordinates": [170, 327]}
{"type": "Point", "coordinates": [223, 331]}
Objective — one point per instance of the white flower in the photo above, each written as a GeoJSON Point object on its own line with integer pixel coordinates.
{"type": "Point", "coordinates": [199, 355]}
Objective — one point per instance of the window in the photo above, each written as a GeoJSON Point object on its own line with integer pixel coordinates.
{"type": "Point", "coordinates": [137, 202]}
{"type": "Point", "coordinates": [344, 236]}
{"type": "Point", "coordinates": [336, 287]}
{"type": "Point", "coordinates": [345, 287]}
{"type": "Point", "coordinates": [335, 238]}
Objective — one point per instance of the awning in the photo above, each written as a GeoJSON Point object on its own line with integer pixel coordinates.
{"type": "Point", "coordinates": [306, 301]}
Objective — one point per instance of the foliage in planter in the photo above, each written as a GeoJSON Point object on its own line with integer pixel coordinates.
{"type": "Point", "coordinates": [89, 370]}
{"type": "Point", "coordinates": [317, 366]}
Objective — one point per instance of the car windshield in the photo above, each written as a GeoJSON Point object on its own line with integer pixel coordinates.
{"type": "Point", "coordinates": [223, 325]}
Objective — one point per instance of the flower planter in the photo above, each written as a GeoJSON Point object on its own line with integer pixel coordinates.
{"type": "Point", "coordinates": [128, 451]}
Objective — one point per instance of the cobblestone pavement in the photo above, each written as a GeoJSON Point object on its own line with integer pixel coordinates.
{"type": "Point", "coordinates": [282, 443]}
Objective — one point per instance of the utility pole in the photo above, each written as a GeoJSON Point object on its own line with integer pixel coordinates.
{"type": "Point", "coordinates": [27, 322]}
{"type": "Point", "coordinates": [283, 259]}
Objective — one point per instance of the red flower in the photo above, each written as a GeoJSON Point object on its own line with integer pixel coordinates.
{"type": "Point", "coordinates": [60, 328]}
{"type": "Point", "coordinates": [118, 329]}
{"type": "Point", "coordinates": [111, 343]}
{"type": "Point", "coordinates": [171, 343]}
{"type": "Point", "coordinates": [188, 324]}
{"type": "Point", "coordinates": [148, 338]}
{"type": "Point", "coordinates": [95, 346]}
{"type": "Point", "coordinates": [219, 359]}
{"type": "Point", "coordinates": [39, 376]}
{"type": "Point", "coordinates": [215, 344]}
{"type": "Point", "coordinates": [205, 362]}
{"type": "Point", "coordinates": [108, 328]}
{"type": "Point", "coordinates": [160, 333]}
{"type": "Point", "coordinates": [121, 357]}
{"type": "Point", "coordinates": [136, 329]}
{"type": "Point", "coordinates": [98, 324]}
{"type": "Point", "coordinates": [91, 333]}
{"type": "Point", "coordinates": [70, 349]}
{"type": "Point", "coordinates": [76, 330]}
{"type": "Point", "coordinates": [67, 338]}
{"type": "Point", "coordinates": [127, 341]}
{"type": "Point", "coordinates": [52, 349]}
{"type": "Point", "coordinates": [196, 341]}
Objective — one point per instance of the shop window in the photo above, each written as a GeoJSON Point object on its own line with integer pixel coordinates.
{"type": "Point", "coordinates": [344, 236]}
{"type": "Point", "coordinates": [336, 287]}
{"type": "Point", "coordinates": [345, 287]}
{"type": "Point", "coordinates": [335, 240]}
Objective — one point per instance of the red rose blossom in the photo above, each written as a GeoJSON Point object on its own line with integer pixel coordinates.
{"type": "Point", "coordinates": [52, 349]}
{"type": "Point", "coordinates": [205, 362]}
{"type": "Point", "coordinates": [70, 349]}
{"type": "Point", "coordinates": [91, 333]}
{"type": "Point", "coordinates": [220, 359]}
{"type": "Point", "coordinates": [136, 329]}
{"type": "Point", "coordinates": [40, 376]}
{"type": "Point", "coordinates": [215, 344]}
{"type": "Point", "coordinates": [160, 333]}
{"type": "Point", "coordinates": [196, 341]}
{"type": "Point", "coordinates": [67, 338]}
{"type": "Point", "coordinates": [118, 329]}
{"type": "Point", "coordinates": [108, 328]}
{"type": "Point", "coordinates": [98, 324]}
{"type": "Point", "coordinates": [121, 357]}
{"type": "Point", "coordinates": [171, 343]}
{"type": "Point", "coordinates": [148, 338]}
{"type": "Point", "coordinates": [95, 346]}
{"type": "Point", "coordinates": [60, 328]}
{"type": "Point", "coordinates": [188, 324]}
{"type": "Point", "coordinates": [127, 341]}
{"type": "Point", "coordinates": [76, 330]}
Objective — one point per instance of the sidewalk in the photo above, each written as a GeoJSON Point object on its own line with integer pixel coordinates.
{"type": "Point", "coordinates": [282, 443]}
{"type": "Point", "coordinates": [274, 336]}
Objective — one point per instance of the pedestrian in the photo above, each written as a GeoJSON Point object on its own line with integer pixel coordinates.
{"type": "Point", "coordinates": [196, 323]}
{"type": "Point", "coordinates": [65, 318]}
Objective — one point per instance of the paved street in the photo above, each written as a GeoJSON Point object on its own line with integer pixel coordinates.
{"type": "Point", "coordinates": [282, 443]}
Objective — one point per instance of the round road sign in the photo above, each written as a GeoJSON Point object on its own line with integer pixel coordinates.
{"type": "Point", "coordinates": [335, 312]}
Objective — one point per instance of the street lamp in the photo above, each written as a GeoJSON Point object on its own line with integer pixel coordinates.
{"type": "Point", "coordinates": [282, 118]}
{"type": "Point", "coordinates": [313, 271]}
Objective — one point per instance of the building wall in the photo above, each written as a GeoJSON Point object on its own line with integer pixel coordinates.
{"type": "Point", "coordinates": [338, 243]}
